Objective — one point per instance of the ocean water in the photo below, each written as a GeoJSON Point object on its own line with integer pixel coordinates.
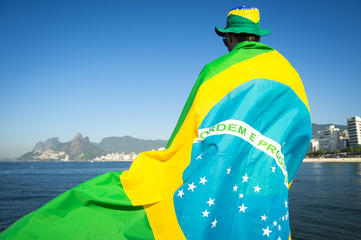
{"type": "Point", "coordinates": [325, 198]}
{"type": "Point", "coordinates": [325, 202]}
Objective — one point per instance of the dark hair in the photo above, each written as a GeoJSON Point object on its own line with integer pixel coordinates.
{"type": "Point", "coordinates": [241, 37]}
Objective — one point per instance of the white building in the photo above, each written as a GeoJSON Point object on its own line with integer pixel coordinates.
{"type": "Point", "coordinates": [354, 131]}
{"type": "Point", "coordinates": [313, 147]}
{"type": "Point", "coordinates": [344, 140]}
{"type": "Point", "coordinates": [328, 139]}
{"type": "Point", "coordinates": [117, 157]}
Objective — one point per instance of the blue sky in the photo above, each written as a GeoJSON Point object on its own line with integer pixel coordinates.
{"type": "Point", "coordinates": [115, 68]}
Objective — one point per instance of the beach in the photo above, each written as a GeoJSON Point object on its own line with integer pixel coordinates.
{"type": "Point", "coordinates": [332, 160]}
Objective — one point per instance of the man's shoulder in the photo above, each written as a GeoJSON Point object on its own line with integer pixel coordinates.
{"type": "Point", "coordinates": [242, 52]}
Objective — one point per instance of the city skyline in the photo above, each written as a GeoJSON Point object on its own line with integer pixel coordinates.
{"type": "Point", "coordinates": [115, 69]}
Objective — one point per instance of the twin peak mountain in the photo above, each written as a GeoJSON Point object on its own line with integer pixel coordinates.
{"type": "Point", "coordinates": [82, 149]}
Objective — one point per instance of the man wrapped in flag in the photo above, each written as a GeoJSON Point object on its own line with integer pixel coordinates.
{"type": "Point", "coordinates": [225, 174]}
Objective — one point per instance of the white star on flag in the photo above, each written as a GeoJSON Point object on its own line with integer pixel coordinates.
{"type": "Point", "coordinates": [273, 169]}
{"type": "Point", "coordinates": [264, 217]}
{"type": "Point", "coordinates": [214, 223]}
{"type": "Point", "coordinates": [283, 218]}
{"type": "Point", "coordinates": [279, 238]}
{"type": "Point", "coordinates": [286, 203]}
{"type": "Point", "coordinates": [205, 213]}
{"type": "Point", "coordinates": [242, 208]}
{"type": "Point", "coordinates": [199, 157]}
{"type": "Point", "coordinates": [180, 193]}
{"type": "Point", "coordinates": [279, 227]}
{"type": "Point", "coordinates": [256, 189]}
{"type": "Point", "coordinates": [241, 195]}
{"type": "Point", "coordinates": [229, 170]}
{"type": "Point", "coordinates": [245, 178]}
{"type": "Point", "coordinates": [275, 223]}
{"type": "Point", "coordinates": [211, 201]}
{"type": "Point", "coordinates": [203, 180]}
{"type": "Point", "coordinates": [191, 187]}
{"type": "Point", "coordinates": [235, 188]}
{"type": "Point", "coordinates": [266, 231]}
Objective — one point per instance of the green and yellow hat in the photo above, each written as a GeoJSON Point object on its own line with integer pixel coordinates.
{"type": "Point", "coordinates": [243, 20]}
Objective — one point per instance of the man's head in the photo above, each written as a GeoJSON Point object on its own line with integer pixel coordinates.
{"type": "Point", "coordinates": [232, 39]}
{"type": "Point", "coordinates": [243, 24]}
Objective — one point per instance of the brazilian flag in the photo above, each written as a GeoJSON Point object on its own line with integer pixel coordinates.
{"type": "Point", "coordinates": [225, 173]}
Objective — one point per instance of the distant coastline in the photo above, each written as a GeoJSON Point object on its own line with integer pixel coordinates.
{"type": "Point", "coordinates": [89, 161]}
{"type": "Point", "coordinates": [319, 160]}
{"type": "Point", "coordinates": [332, 160]}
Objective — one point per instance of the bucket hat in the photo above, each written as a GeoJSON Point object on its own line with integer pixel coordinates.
{"type": "Point", "coordinates": [243, 19]}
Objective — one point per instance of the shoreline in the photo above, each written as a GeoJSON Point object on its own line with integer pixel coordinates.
{"type": "Point", "coordinates": [317, 160]}
{"type": "Point", "coordinates": [342, 160]}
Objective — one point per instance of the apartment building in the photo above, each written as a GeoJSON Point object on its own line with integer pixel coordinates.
{"type": "Point", "coordinates": [329, 139]}
{"type": "Point", "coordinates": [354, 131]}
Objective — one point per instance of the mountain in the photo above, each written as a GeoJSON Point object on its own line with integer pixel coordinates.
{"type": "Point", "coordinates": [78, 149]}
{"type": "Point", "coordinates": [77, 146]}
{"type": "Point", "coordinates": [47, 144]}
{"type": "Point", "coordinates": [319, 127]}
{"type": "Point", "coordinates": [129, 144]}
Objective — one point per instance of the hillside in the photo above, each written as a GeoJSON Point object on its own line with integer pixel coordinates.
{"type": "Point", "coordinates": [129, 144]}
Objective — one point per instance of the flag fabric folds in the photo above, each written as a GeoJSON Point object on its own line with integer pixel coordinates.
{"type": "Point", "coordinates": [225, 173]}
{"type": "Point", "coordinates": [96, 209]}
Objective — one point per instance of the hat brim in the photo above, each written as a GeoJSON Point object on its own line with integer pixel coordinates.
{"type": "Point", "coordinates": [256, 31]}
